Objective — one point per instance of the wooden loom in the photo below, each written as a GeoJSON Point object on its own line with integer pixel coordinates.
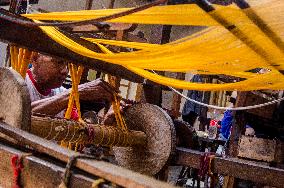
{"type": "Point", "coordinates": [134, 149]}
{"type": "Point", "coordinates": [145, 148]}
{"type": "Point", "coordinates": [187, 157]}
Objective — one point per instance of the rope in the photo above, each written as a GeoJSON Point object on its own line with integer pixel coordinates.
{"type": "Point", "coordinates": [225, 108]}
{"type": "Point", "coordinates": [229, 108]}
{"type": "Point", "coordinates": [17, 165]}
{"type": "Point", "coordinates": [76, 73]}
{"type": "Point", "coordinates": [205, 164]}
{"type": "Point", "coordinates": [116, 103]}
{"type": "Point", "coordinates": [67, 173]}
{"type": "Point", "coordinates": [97, 182]}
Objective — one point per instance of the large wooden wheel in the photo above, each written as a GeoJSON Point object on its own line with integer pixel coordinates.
{"type": "Point", "coordinates": [159, 128]}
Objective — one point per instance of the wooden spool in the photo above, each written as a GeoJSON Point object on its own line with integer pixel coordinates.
{"type": "Point", "coordinates": [15, 103]}
{"type": "Point", "coordinates": [160, 132]}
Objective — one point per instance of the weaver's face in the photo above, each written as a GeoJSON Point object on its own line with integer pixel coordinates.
{"type": "Point", "coordinates": [51, 71]}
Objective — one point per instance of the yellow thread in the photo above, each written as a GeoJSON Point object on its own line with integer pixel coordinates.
{"type": "Point", "coordinates": [119, 136]}
{"type": "Point", "coordinates": [76, 73]}
{"type": "Point", "coordinates": [20, 59]}
{"type": "Point", "coordinates": [63, 142]}
{"type": "Point", "coordinates": [25, 62]}
{"type": "Point", "coordinates": [97, 182]}
{"type": "Point", "coordinates": [73, 134]}
{"type": "Point", "coordinates": [102, 130]}
{"type": "Point", "coordinates": [113, 131]}
{"type": "Point", "coordinates": [68, 129]}
{"type": "Point", "coordinates": [206, 50]}
{"type": "Point", "coordinates": [50, 130]}
{"type": "Point", "coordinates": [107, 144]}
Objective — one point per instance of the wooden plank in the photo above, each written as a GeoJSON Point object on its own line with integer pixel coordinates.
{"type": "Point", "coordinates": [257, 148]}
{"type": "Point", "coordinates": [264, 112]}
{"type": "Point", "coordinates": [235, 167]}
{"type": "Point", "coordinates": [110, 172]}
{"type": "Point", "coordinates": [36, 172]}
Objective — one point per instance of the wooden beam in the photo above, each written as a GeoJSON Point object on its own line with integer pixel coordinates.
{"type": "Point", "coordinates": [89, 4]}
{"type": "Point", "coordinates": [107, 171]}
{"type": "Point", "coordinates": [4, 2]}
{"type": "Point", "coordinates": [235, 167]}
{"type": "Point", "coordinates": [37, 172]}
{"type": "Point", "coordinates": [35, 39]}
{"type": "Point", "coordinates": [176, 100]}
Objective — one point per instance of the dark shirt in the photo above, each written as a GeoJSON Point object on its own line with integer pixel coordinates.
{"type": "Point", "coordinates": [198, 96]}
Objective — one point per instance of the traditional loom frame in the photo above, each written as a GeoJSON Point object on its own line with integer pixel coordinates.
{"type": "Point", "coordinates": [253, 172]}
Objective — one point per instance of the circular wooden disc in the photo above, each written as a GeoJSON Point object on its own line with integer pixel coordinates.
{"type": "Point", "coordinates": [159, 128]}
{"type": "Point", "coordinates": [15, 103]}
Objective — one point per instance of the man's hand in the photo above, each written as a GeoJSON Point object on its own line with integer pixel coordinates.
{"type": "Point", "coordinates": [97, 90]}
{"type": "Point", "coordinates": [109, 117]}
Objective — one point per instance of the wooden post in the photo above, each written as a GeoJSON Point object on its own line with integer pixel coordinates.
{"type": "Point", "coordinates": [89, 4]}
{"type": "Point", "coordinates": [237, 129]}
{"type": "Point", "coordinates": [177, 98]}
{"type": "Point", "coordinates": [153, 92]}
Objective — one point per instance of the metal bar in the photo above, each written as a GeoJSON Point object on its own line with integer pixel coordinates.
{"type": "Point", "coordinates": [22, 35]}
{"type": "Point", "coordinates": [235, 167]}
{"type": "Point", "coordinates": [107, 171]}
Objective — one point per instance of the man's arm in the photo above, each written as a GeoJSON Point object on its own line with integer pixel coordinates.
{"type": "Point", "coordinates": [52, 105]}
{"type": "Point", "coordinates": [97, 90]}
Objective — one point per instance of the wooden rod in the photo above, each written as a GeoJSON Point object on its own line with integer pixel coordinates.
{"type": "Point", "coordinates": [70, 131]}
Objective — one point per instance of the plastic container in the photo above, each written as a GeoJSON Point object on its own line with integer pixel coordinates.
{"type": "Point", "coordinates": [213, 130]}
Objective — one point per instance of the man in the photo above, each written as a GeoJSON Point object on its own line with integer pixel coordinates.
{"type": "Point", "coordinates": [45, 79]}
{"type": "Point", "coordinates": [192, 110]}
